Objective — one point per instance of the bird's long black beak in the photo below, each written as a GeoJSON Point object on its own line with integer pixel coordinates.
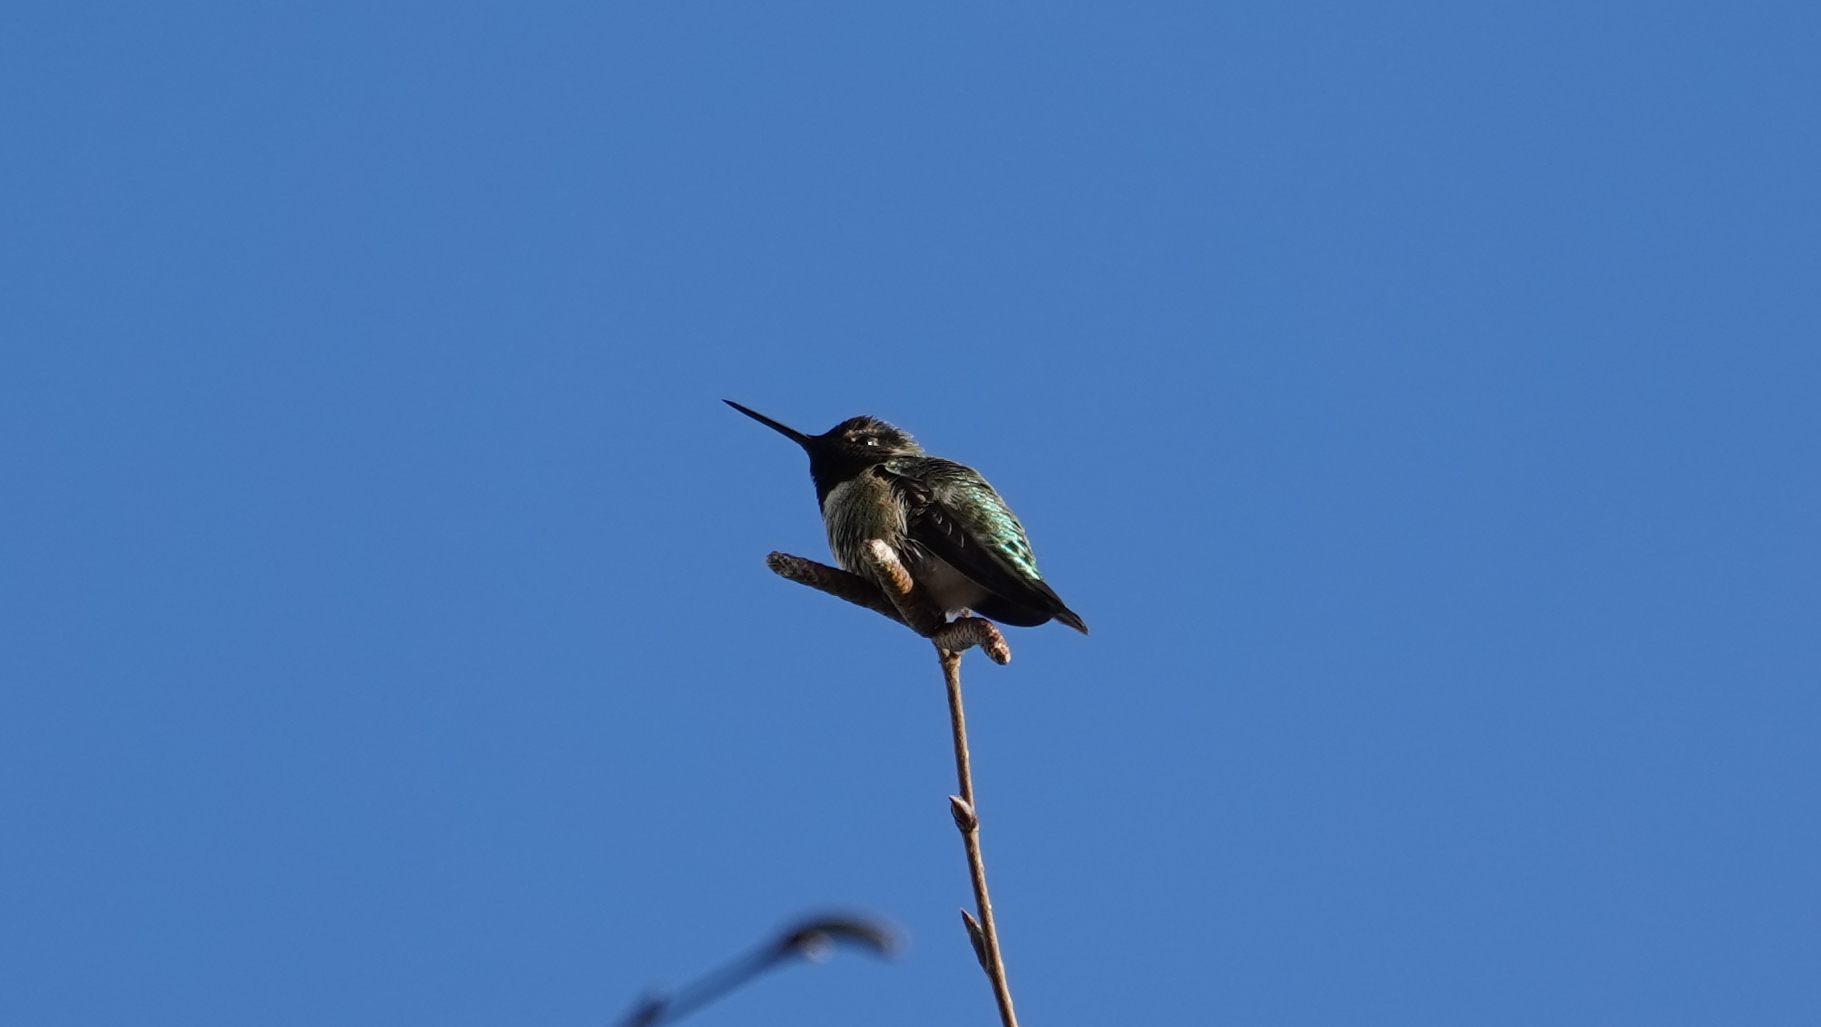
{"type": "Point", "coordinates": [790, 433]}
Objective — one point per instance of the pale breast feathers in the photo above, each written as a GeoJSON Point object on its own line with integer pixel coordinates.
{"type": "Point", "coordinates": [857, 511]}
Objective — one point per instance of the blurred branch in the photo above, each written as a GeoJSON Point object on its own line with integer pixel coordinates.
{"type": "Point", "coordinates": [811, 939]}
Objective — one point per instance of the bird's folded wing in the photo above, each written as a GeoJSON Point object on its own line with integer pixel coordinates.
{"type": "Point", "coordinates": [945, 533]}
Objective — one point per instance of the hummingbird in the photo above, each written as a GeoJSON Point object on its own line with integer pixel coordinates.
{"type": "Point", "coordinates": [963, 547]}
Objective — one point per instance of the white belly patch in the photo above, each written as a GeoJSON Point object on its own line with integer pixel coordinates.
{"type": "Point", "coordinates": [948, 587]}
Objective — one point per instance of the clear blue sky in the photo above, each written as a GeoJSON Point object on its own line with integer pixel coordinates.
{"type": "Point", "coordinates": [1422, 402]}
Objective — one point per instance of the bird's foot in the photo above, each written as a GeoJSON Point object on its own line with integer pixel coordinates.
{"type": "Point", "coordinates": [896, 582]}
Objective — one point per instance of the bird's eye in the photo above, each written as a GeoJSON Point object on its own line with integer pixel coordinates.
{"type": "Point", "coordinates": [871, 441]}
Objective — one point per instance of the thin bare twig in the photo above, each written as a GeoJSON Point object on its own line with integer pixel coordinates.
{"type": "Point", "coordinates": [983, 932]}
{"type": "Point", "coordinates": [835, 581]}
{"type": "Point", "coordinates": [904, 604]}
{"type": "Point", "coordinates": [891, 593]}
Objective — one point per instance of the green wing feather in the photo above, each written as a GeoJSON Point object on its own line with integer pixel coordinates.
{"type": "Point", "coordinates": [954, 514]}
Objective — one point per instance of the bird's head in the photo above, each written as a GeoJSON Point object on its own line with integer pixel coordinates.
{"type": "Point", "coordinates": [868, 440]}
{"type": "Point", "coordinates": [846, 449]}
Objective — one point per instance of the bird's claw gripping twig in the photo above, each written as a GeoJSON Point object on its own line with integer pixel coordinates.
{"type": "Point", "coordinates": [894, 580]}
{"type": "Point", "coordinates": [899, 600]}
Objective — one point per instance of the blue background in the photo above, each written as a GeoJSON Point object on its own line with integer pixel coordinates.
{"type": "Point", "coordinates": [1418, 400]}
